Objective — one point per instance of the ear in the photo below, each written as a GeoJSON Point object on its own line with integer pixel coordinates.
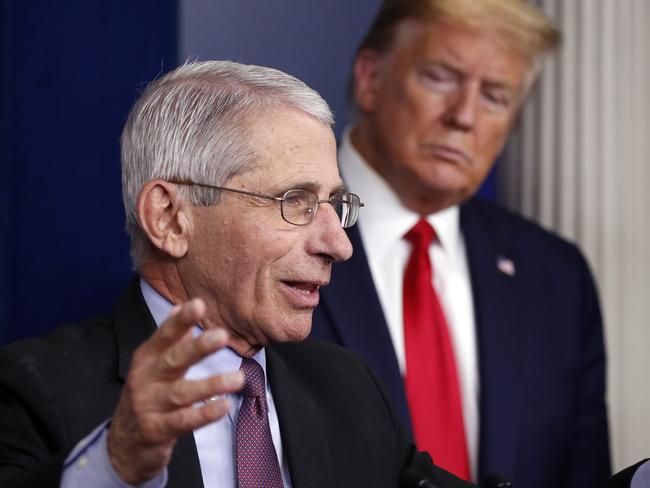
{"type": "Point", "coordinates": [164, 217]}
{"type": "Point", "coordinates": [366, 79]}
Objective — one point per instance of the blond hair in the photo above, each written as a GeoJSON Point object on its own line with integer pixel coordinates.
{"type": "Point", "coordinates": [520, 24]}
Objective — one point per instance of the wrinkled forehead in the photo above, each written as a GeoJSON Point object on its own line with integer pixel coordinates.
{"type": "Point", "coordinates": [290, 148]}
{"type": "Point", "coordinates": [485, 52]}
{"type": "Point", "coordinates": [444, 32]}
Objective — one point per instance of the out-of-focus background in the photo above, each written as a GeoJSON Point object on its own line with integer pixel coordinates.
{"type": "Point", "coordinates": [69, 72]}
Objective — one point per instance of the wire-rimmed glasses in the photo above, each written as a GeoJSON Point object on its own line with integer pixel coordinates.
{"type": "Point", "coordinates": [299, 206]}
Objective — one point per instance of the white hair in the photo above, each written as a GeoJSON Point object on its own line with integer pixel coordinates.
{"type": "Point", "coordinates": [194, 123]}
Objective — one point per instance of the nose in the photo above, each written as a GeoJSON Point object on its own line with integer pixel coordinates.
{"type": "Point", "coordinates": [462, 106]}
{"type": "Point", "coordinates": [329, 239]}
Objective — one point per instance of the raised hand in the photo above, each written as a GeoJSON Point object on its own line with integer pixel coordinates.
{"type": "Point", "coordinates": [156, 406]}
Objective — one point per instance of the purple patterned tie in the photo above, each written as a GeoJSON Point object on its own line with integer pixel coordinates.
{"type": "Point", "coordinates": [257, 462]}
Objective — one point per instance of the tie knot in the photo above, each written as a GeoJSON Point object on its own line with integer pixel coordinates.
{"type": "Point", "coordinates": [254, 385]}
{"type": "Point", "coordinates": [421, 235]}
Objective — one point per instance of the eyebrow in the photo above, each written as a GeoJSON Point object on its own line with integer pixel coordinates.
{"type": "Point", "coordinates": [313, 186]}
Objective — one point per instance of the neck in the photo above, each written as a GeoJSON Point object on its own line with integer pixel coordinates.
{"type": "Point", "coordinates": [166, 279]}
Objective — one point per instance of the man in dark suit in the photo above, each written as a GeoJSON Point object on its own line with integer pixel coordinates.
{"type": "Point", "coordinates": [515, 339]}
{"type": "Point", "coordinates": [233, 197]}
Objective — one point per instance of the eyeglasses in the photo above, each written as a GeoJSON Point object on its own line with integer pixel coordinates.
{"type": "Point", "coordinates": [299, 206]}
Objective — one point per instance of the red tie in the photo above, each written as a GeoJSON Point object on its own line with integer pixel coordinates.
{"type": "Point", "coordinates": [431, 379]}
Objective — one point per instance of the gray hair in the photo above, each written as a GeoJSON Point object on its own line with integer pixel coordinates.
{"type": "Point", "coordinates": [193, 123]}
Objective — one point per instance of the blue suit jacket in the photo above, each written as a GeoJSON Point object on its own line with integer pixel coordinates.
{"type": "Point", "coordinates": [543, 418]}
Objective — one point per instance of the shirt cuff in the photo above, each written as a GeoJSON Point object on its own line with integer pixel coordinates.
{"type": "Point", "coordinates": [88, 465]}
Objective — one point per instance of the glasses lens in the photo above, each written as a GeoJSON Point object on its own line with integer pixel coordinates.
{"type": "Point", "coordinates": [299, 206]}
{"type": "Point", "coordinates": [347, 208]}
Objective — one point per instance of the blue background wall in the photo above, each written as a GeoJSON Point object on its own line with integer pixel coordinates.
{"type": "Point", "coordinates": [312, 40]}
{"type": "Point", "coordinates": [69, 73]}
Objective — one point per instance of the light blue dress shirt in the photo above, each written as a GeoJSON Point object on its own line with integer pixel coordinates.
{"type": "Point", "coordinates": [88, 463]}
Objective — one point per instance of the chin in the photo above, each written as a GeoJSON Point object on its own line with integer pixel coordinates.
{"type": "Point", "coordinates": [286, 325]}
{"type": "Point", "coordinates": [295, 330]}
{"type": "Point", "coordinates": [298, 335]}
{"type": "Point", "coordinates": [446, 185]}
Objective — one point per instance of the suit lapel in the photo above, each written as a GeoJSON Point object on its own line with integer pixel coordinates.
{"type": "Point", "coordinates": [499, 336]}
{"type": "Point", "coordinates": [304, 437]}
{"type": "Point", "coordinates": [352, 299]}
{"type": "Point", "coordinates": [133, 325]}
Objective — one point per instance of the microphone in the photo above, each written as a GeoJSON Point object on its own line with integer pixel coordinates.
{"type": "Point", "coordinates": [412, 478]}
{"type": "Point", "coordinates": [496, 481]}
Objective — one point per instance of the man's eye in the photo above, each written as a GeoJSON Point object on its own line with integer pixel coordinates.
{"type": "Point", "coordinates": [294, 201]}
{"type": "Point", "coordinates": [297, 198]}
{"type": "Point", "coordinates": [440, 79]}
{"type": "Point", "coordinates": [498, 99]}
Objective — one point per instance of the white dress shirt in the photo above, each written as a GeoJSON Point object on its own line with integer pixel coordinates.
{"type": "Point", "coordinates": [383, 222]}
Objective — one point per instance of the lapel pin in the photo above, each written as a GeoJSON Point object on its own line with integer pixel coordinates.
{"type": "Point", "coordinates": [506, 266]}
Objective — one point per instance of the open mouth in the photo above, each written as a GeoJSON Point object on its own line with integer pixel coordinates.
{"type": "Point", "coordinates": [303, 294]}
{"type": "Point", "coordinates": [303, 287]}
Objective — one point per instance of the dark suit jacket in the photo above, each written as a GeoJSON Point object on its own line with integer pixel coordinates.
{"type": "Point", "coordinates": [540, 346]}
{"type": "Point", "coordinates": [337, 427]}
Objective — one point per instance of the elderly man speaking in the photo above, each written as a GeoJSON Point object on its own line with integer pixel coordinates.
{"type": "Point", "coordinates": [236, 212]}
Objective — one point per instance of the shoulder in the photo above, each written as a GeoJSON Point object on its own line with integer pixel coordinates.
{"type": "Point", "coordinates": [481, 220]}
{"type": "Point", "coordinates": [501, 220]}
{"type": "Point", "coordinates": [62, 341]}
{"type": "Point", "coordinates": [83, 349]}
{"type": "Point", "coordinates": [69, 351]}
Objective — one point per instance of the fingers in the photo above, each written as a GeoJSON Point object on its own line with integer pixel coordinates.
{"type": "Point", "coordinates": [157, 404]}
{"type": "Point", "coordinates": [185, 393]}
{"type": "Point", "coordinates": [139, 450]}
{"type": "Point", "coordinates": [182, 318]}
{"type": "Point", "coordinates": [178, 422]}
{"type": "Point", "coordinates": [171, 350]}
{"type": "Point", "coordinates": [174, 361]}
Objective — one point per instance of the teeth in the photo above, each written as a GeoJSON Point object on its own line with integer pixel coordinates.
{"type": "Point", "coordinates": [304, 287]}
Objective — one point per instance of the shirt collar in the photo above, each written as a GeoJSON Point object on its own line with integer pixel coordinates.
{"type": "Point", "coordinates": [384, 220]}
